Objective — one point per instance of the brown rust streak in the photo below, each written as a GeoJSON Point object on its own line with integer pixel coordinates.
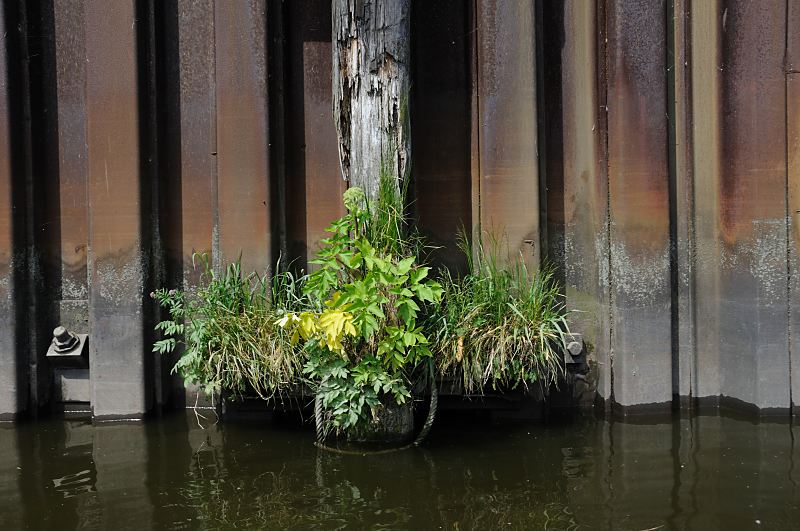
{"type": "Point", "coordinates": [576, 216]}
{"type": "Point", "coordinates": [324, 184]}
{"type": "Point", "coordinates": [639, 199]}
{"type": "Point", "coordinates": [10, 400]}
{"type": "Point", "coordinates": [506, 73]}
{"type": "Point", "coordinates": [752, 155]}
{"type": "Point", "coordinates": [297, 16]}
{"type": "Point", "coordinates": [684, 230]}
{"type": "Point", "coordinates": [242, 134]}
{"type": "Point", "coordinates": [6, 198]}
{"type": "Point", "coordinates": [705, 75]}
{"type": "Point", "coordinates": [441, 125]}
{"type": "Point", "coordinates": [115, 223]}
{"type": "Point", "coordinates": [740, 172]}
{"type": "Point", "coordinates": [584, 191]}
{"type": "Point", "coordinates": [793, 154]}
{"type": "Point", "coordinates": [585, 188]}
{"type": "Point", "coordinates": [112, 136]}
{"type": "Point", "coordinates": [197, 121]}
{"type": "Point", "coordinates": [752, 203]}
{"type": "Point", "coordinates": [793, 37]}
{"type": "Point", "coordinates": [72, 156]}
{"type": "Point", "coordinates": [314, 185]}
{"type": "Point", "coordinates": [474, 127]}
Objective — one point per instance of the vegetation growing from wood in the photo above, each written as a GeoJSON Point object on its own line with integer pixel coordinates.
{"type": "Point", "coordinates": [367, 342]}
{"type": "Point", "coordinates": [368, 322]}
{"type": "Point", "coordinates": [499, 325]}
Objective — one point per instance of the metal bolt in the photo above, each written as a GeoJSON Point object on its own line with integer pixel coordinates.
{"type": "Point", "coordinates": [61, 334]}
{"type": "Point", "coordinates": [575, 348]}
{"type": "Point", "coordinates": [64, 340]}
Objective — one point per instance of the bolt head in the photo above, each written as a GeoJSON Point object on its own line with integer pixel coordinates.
{"type": "Point", "coordinates": [575, 348]}
{"type": "Point", "coordinates": [61, 333]}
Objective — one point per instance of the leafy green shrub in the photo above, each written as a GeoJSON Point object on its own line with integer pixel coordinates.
{"type": "Point", "coordinates": [229, 333]}
{"type": "Point", "coordinates": [361, 326]}
{"type": "Point", "coordinates": [366, 343]}
{"type": "Point", "coordinates": [499, 325]}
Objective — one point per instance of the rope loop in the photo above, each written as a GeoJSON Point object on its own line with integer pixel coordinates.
{"type": "Point", "coordinates": [421, 436]}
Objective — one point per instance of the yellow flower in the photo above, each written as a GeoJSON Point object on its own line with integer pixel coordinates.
{"type": "Point", "coordinates": [330, 327]}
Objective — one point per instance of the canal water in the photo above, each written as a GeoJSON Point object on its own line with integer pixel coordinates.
{"type": "Point", "coordinates": [698, 473]}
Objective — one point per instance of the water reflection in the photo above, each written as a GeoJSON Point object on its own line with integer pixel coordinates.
{"type": "Point", "coordinates": [699, 473]}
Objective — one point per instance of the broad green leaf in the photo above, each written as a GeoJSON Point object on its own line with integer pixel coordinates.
{"type": "Point", "coordinates": [404, 266]}
{"type": "Point", "coordinates": [418, 274]}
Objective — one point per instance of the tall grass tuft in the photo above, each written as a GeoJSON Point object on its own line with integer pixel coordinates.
{"type": "Point", "coordinates": [500, 325]}
{"type": "Point", "coordinates": [389, 228]}
{"type": "Point", "coordinates": [228, 331]}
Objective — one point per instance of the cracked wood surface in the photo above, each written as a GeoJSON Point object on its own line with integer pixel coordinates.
{"type": "Point", "coordinates": [370, 89]}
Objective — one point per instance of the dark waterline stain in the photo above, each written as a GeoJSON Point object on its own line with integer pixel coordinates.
{"type": "Point", "coordinates": [699, 473]}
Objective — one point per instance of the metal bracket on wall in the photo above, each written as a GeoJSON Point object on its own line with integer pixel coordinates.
{"type": "Point", "coordinates": [575, 353]}
{"type": "Point", "coordinates": [68, 349]}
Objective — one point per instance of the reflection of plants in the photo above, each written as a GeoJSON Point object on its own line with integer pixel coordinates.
{"type": "Point", "coordinates": [500, 325]}
{"type": "Point", "coordinates": [279, 500]}
{"type": "Point", "coordinates": [238, 504]}
{"type": "Point", "coordinates": [233, 497]}
{"type": "Point", "coordinates": [228, 331]}
{"type": "Point", "coordinates": [366, 342]}
{"type": "Point", "coordinates": [512, 509]}
{"type": "Point", "coordinates": [344, 503]}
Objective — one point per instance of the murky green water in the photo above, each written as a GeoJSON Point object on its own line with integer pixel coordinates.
{"type": "Point", "coordinates": [703, 473]}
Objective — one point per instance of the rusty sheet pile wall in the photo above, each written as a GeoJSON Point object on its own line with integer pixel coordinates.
{"type": "Point", "coordinates": [649, 149]}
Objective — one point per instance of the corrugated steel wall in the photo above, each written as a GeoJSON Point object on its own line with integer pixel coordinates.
{"type": "Point", "coordinates": [650, 149]}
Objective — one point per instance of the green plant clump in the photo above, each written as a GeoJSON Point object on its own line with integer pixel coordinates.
{"type": "Point", "coordinates": [369, 322]}
{"type": "Point", "coordinates": [366, 344]}
{"type": "Point", "coordinates": [228, 332]}
{"type": "Point", "coordinates": [499, 325]}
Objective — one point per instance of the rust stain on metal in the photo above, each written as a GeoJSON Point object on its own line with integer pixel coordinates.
{"type": "Point", "coordinates": [740, 204]}
{"type": "Point", "coordinates": [112, 134]}
{"type": "Point", "coordinates": [242, 133]}
{"type": "Point", "coordinates": [753, 203]}
{"type": "Point", "coordinates": [793, 160]}
{"type": "Point", "coordinates": [506, 72]}
{"type": "Point", "coordinates": [198, 164]}
{"type": "Point", "coordinates": [793, 37]}
{"type": "Point", "coordinates": [639, 201]}
{"type": "Point", "coordinates": [297, 24]}
{"type": "Point", "coordinates": [6, 197]}
{"type": "Point", "coordinates": [705, 73]}
{"type": "Point", "coordinates": [11, 395]}
{"type": "Point", "coordinates": [576, 189]}
{"type": "Point", "coordinates": [584, 191]}
{"type": "Point", "coordinates": [323, 183]}
{"type": "Point", "coordinates": [475, 126]}
{"type": "Point", "coordinates": [684, 265]}
{"type": "Point", "coordinates": [72, 148]}
{"type": "Point", "coordinates": [313, 180]}
{"type": "Point", "coordinates": [440, 117]}
{"type": "Point", "coordinates": [116, 300]}
{"type": "Point", "coordinates": [753, 106]}
{"type": "Point", "coordinates": [793, 166]}
{"type": "Point", "coordinates": [714, 311]}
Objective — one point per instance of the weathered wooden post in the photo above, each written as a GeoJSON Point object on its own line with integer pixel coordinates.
{"type": "Point", "coordinates": [371, 79]}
